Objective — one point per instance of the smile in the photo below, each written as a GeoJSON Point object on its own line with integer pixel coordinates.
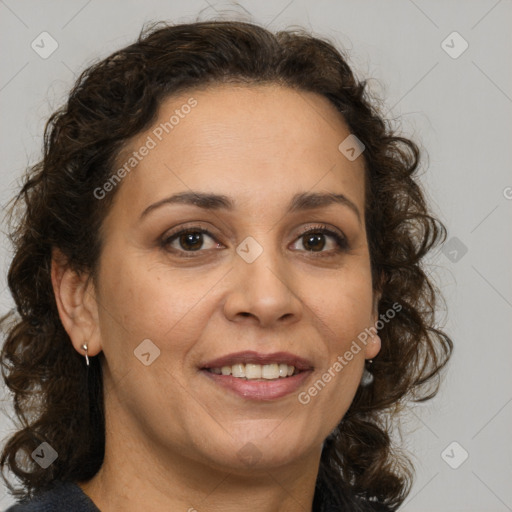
{"type": "Point", "coordinates": [251, 371]}
{"type": "Point", "coordinates": [257, 376]}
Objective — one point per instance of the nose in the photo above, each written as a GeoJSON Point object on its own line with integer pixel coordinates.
{"type": "Point", "coordinates": [262, 292]}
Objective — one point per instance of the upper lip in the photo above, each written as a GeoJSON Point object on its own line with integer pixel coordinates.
{"type": "Point", "coordinates": [252, 357]}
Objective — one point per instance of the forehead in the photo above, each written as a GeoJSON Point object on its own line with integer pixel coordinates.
{"type": "Point", "coordinates": [260, 141]}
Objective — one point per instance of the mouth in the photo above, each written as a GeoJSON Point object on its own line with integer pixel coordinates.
{"type": "Point", "coordinates": [259, 376]}
{"type": "Point", "coordinates": [251, 371]}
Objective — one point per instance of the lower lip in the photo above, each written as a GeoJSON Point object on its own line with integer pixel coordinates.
{"type": "Point", "coordinates": [260, 389]}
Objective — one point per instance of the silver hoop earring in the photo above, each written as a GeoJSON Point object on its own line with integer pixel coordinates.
{"type": "Point", "coordinates": [367, 377]}
{"type": "Point", "coordinates": [84, 346]}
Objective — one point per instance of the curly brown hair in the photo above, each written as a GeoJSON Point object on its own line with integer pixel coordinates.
{"type": "Point", "coordinates": [58, 400]}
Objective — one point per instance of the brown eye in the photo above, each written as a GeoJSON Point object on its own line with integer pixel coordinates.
{"type": "Point", "coordinates": [314, 242]}
{"type": "Point", "coordinates": [323, 241]}
{"type": "Point", "coordinates": [189, 240]}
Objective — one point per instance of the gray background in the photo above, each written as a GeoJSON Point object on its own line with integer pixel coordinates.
{"type": "Point", "coordinates": [457, 105]}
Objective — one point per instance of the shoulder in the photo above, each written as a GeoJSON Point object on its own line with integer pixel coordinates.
{"type": "Point", "coordinates": [61, 496]}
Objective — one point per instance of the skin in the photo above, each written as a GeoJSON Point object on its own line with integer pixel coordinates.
{"type": "Point", "coordinates": [173, 437]}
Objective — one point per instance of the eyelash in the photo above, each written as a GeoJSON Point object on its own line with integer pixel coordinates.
{"type": "Point", "coordinates": [340, 240]}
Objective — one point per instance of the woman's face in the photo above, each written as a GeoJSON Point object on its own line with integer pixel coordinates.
{"type": "Point", "coordinates": [244, 291]}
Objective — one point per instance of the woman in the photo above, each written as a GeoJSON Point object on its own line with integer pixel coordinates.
{"type": "Point", "coordinates": [218, 280]}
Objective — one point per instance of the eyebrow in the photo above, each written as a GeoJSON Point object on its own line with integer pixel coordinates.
{"type": "Point", "coordinates": [300, 202]}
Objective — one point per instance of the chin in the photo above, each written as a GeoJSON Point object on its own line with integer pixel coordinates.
{"type": "Point", "coordinates": [264, 448]}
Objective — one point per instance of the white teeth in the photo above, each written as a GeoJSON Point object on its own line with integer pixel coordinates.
{"type": "Point", "coordinates": [238, 370]}
{"type": "Point", "coordinates": [256, 371]}
{"type": "Point", "coordinates": [270, 371]}
{"type": "Point", "coordinates": [253, 371]}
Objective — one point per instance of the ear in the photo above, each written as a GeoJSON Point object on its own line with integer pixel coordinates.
{"type": "Point", "coordinates": [374, 343]}
{"type": "Point", "coordinates": [76, 302]}
{"type": "Point", "coordinates": [377, 294]}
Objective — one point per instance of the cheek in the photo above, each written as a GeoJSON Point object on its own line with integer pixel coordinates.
{"type": "Point", "coordinates": [155, 302]}
{"type": "Point", "coordinates": [342, 312]}
{"type": "Point", "coordinates": [343, 307]}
